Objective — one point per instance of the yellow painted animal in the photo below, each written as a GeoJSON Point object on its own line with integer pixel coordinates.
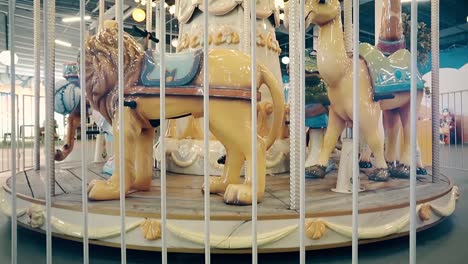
{"type": "Point", "coordinates": [230, 118]}
{"type": "Point", "coordinates": [336, 68]}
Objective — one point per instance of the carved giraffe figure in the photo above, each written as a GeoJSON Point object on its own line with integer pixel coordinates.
{"type": "Point", "coordinates": [336, 68]}
{"type": "Point", "coordinates": [391, 39]}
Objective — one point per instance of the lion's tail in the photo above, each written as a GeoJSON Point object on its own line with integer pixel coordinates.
{"type": "Point", "coordinates": [278, 104]}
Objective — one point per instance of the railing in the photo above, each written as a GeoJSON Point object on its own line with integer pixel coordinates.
{"type": "Point", "coordinates": [454, 130]}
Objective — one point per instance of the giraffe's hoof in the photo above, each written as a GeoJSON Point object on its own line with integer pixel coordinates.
{"type": "Point", "coordinates": [421, 171]}
{"type": "Point", "coordinates": [401, 171]}
{"type": "Point", "coordinates": [380, 175]}
{"type": "Point", "coordinates": [315, 171]}
{"type": "Point", "coordinates": [365, 164]}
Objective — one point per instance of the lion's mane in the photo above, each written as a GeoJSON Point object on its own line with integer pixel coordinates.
{"type": "Point", "coordinates": [102, 68]}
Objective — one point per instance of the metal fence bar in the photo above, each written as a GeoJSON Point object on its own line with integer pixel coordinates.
{"type": "Point", "coordinates": [206, 136]}
{"type": "Point", "coordinates": [254, 165]}
{"type": "Point", "coordinates": [121, 125]}
{"type": "Point", "coordinates": [413, 132]}
{"type": "Point", "coordinates": [22, 134]}
{"type": "Point", "coordinates": [162, 112]}
{"type": "Point", "coordinates": [356, 117]}
{"type": "Point", "coordinates": [84, 163]}
{"type": "Point", "coordinates": [302, 207]}
{"type": "Point", "coordinates": [49, 49]}
{"type": "Point", "coordinates": [37, 84]}
{"type": "Point", "coordinates": [11, 44]}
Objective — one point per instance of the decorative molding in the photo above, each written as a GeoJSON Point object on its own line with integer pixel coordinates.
{"type": "Point", "coordinates": [151, 229]}
{"type": "Point", "coordinates": [231, 242]}
{"type": "Point", "coordinates": [93, 233]}
{"type": "Point", "coordinates": [35, 215]}
{"type": "Point", "coordinates": [387, 229]}
{"type": "Point", "coordinates": [6, 208]}
{"type": "Point", "coordinates": [315, 229]}
{"type": "Point", "coordinates": [424, 212]}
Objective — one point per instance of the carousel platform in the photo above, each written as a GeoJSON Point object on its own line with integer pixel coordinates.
{"type": "Point", "coordinates": [383, 207]}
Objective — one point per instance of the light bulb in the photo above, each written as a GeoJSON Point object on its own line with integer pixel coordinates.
{"type": "Point", "coordinates": [138, 14]}
{"type": "Point", "coordinates": [172, 9]}
{"type": "Point", "coordinates": [285, 60]}
{"type": "Point", "coordinates": [175, 42]}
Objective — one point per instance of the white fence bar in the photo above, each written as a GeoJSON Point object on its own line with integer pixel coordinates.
{"type": "Point", "coordinates": [37, 84]}
{"type": "Point", "coordinates": [11, 45]}
{"type": "Point", "coordinates": [253, 173]}
{"type": "Point", "coordinates": [206, 135]}
{"type": "Point", "coordinates": [121, 128]}
{"type": "Point", "coordinates": [302, 207]}
{"type": "Point", "coordinates": [356, 184]}
{"type": "Point", "coordinates": [162, 127]}
{"type": "Point", "coordinates": [84, 164]}
{"type": "Point", "coordinates": [413, 132]}
{"type": "Point", "coordinates": [49, 58]}
{"type": "Point", "coordinates": [101, 13]}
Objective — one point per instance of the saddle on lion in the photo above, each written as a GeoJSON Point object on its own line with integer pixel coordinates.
{"type": "Point", "coordinates": [389, 74]}
{"type": "Point", "coordinates": [181, 69]}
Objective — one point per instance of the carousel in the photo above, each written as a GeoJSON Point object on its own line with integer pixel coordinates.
{"type": "Point", "coordinates": [176, 153]}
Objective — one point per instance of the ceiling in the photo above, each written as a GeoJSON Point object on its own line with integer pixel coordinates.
{"type": "Point", "coordinates": [453, 26]}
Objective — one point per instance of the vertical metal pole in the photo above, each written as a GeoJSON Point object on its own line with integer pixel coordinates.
{"type": "Point", "coordinates": [253, 173]}
{"type": "Point", "coordinates": [302, 207]}
{"type": "Point", "coordinates": [348, 25]}
{"type": "Point", "coordinates": [162, 111]}
{"type": "Point", "coordinates": [84, 163]}
{"type": "Point", "coordinates": [102, 8]}
{"type": "Point", "coordinates": [37, 83]}
{"type": "Point", "coordinates": [22, 133]}
{"type": "Point", "coordinates": [206, 137]}
{"type": "Point", "coordinates": [11, 44]}
{"type": "Point", "coordinates": [462, 124]}
{"type": "Point", "coordinates": [413, 120]}
{"type": "Point", "coordinates": [356, 94]}
{"type": "Point", "coordinates": [121, 128]}
{"type": "Point", "coordinates": [49, 58]}
{"type": "Point", "coordinates": [294, 99]}
{"type": "Point", "coordinates": [149, 18]}
{"type": "Point", "coordinates": [157, 15]}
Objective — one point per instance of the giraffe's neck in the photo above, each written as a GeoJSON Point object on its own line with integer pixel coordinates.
{"type": "Point", "coordinates": [390, 28]}
{"type": "Point", "coordinates": [332, 60]}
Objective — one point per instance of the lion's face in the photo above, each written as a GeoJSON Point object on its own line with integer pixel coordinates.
{"type": "Point", "coordinates": [102, 70]}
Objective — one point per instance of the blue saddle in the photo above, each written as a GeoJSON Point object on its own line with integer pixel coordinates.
{"type": "Point", "coordinates": [320, 121]}
{"type": "Point", "coordinates": [389, 74]}
{"type": "Point", "coordinates": [181, 68]}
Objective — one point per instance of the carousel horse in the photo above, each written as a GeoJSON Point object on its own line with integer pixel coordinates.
{"type": "Point", "coordinates": [383, 83]}
{"type": "Point", "coordinates": [229, 104]}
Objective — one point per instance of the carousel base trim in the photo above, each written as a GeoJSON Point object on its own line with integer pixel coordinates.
{"type": "Point", "coordinates": [234, 236]}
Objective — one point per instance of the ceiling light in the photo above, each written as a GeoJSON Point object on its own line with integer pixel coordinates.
{"type": "Point", "coordinates": [143, 2]}
{"type": "Point", "coordinates": [281, 16]}
{"type": "Point", "coordinates": [153, 4]}
{"type": "Point", "coordinates": [74, 19]}
{"type": "Point", "coordinates": [63, 43]}
{"type": "Point", "coordinates": [285, 60]}
{"type": "Point", "coordinates": [138, 14]}
{"type": "Point", "coordinates": [137, 1]}
{"type": "Point", "coordinates": [175, 42]}
{"type": "Point", "coordinates": [166, 5]}
{"type": "Point", "coordinates": [5, 58]}
{"type": "Point", "coordinates": [172, 9]}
